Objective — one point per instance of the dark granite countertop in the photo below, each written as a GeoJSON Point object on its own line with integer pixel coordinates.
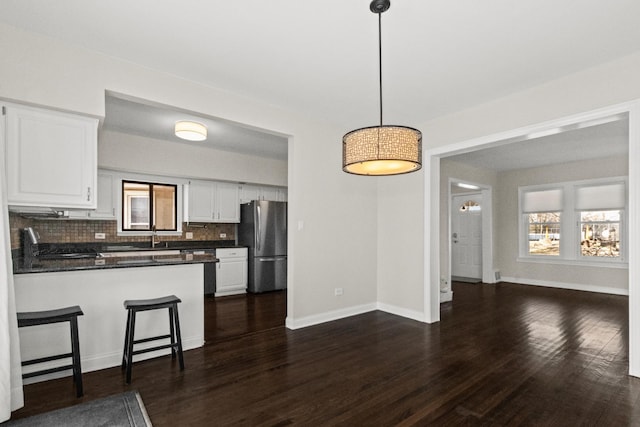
{"type": "Point", "coordinates": [100, 263]}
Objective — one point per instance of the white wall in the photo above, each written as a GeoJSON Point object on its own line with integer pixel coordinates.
{"type": "Point", "coordinates": [336, 246]}
{"type": "Point", "coordinates": [612, 280]}
{"type": "Point", "coordinates": [158, 157]}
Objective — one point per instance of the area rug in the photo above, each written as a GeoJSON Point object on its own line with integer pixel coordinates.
{"type": "Point", "coordinates": [120, 410]}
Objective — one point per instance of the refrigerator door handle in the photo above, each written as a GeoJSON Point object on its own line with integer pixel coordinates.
{"type": "Point", "coordinates": [258, 227]}
{"type": "Point", "coordinates": [261, 259]}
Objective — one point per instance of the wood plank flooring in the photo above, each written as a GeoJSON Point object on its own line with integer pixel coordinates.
{"type": "Point", "coordinates": [502, 355]}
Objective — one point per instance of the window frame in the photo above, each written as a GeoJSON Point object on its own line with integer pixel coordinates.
{"type": "Point", "coordinates": [621, 232]}
{"type": "Point", "coordinates": [149, 179]}
{"type": "Point", "coordinates": [570, 225]}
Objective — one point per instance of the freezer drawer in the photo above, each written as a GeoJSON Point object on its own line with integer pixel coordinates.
{"type": "Point", "coordinates": [267, 274]}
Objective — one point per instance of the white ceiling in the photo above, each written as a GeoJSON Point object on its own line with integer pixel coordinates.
{"type": "Point", "coordinates": [320, 58]}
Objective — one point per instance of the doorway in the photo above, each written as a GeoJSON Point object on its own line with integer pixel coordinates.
{"type": "Point", "coordinates": [582, 120]}
{"type": "Point", "coordinates": [466, 237]}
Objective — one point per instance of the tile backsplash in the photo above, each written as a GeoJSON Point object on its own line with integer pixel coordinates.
{"type": "Point", "coordinates": [83, 231]}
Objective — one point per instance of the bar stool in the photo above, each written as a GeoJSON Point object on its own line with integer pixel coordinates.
{"type": "Point", "coordinates": [67, 314]}
{"type": "Point", "coordinates": [133, 306]}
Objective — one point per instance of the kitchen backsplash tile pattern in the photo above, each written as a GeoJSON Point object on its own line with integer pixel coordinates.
{"type": "Point", "coordinates": [83, 231]}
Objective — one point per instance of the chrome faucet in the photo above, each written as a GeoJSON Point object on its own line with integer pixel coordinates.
{"type": "Point", "coordinates": [154, 242]}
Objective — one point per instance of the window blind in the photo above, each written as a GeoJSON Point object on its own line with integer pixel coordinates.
{"type": "Point", "coordinates": [542, 201]}
{"type": "Point", "coordinates": [600, 197]}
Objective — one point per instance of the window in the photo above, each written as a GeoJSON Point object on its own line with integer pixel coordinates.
{"type": "Point", "coordinates": [544, 233]}
{"type": "Point", "coordinates": [600, 234]}
{"type": "Point", "coordinates": [470, 206]}
{"type": "Point", "coordinates": [580, 221]}
{"type": "Point", "coordinates": [149, 206]}
{"type": "Point", "coordinates": [600, 208]}
{"type": "Point", "coordinates": [542, 211]}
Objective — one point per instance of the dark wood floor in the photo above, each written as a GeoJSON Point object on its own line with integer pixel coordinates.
{"type": "Point", "coordinates": [502, 355]}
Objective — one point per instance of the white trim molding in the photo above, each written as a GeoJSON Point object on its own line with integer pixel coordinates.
{"type": "Point", "coordinates": [563, 285]}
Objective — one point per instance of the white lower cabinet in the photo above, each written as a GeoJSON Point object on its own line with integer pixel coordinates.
{"type": "Point", "coordinates": [231, 271]}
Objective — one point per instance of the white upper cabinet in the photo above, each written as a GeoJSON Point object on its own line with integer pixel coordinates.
{"type": "Point", "coordinates": [106, 196]}
{"type": "Point", "coordinates": [249, 192]}
{"type": "Point", "coordinates": [213, 202]}
{"type": "Point", "coordinates": [51, 158]}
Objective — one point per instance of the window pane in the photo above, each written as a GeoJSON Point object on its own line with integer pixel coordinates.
{"type": "Point", "coordinates": [164, 197]}
{"type": "Point", "coordinates": [544, 233]}
{"type": "Point", "coordinates": [600, 234]}
{"type": "Point", "coordinates": [136, 208]}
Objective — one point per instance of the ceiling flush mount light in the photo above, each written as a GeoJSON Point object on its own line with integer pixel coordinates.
{"type": "Point", "coordinates": [381, 150]}
{"type": "Point", "coordinates": [191, 131]}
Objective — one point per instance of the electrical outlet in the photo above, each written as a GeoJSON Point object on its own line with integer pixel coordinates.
{"type": "Point", "coordinates": [189, 235]}
{"type": "Point", "coordinates": [223, 235]}
{"type": "Point", "coordinates": [337, 292]}
{"type": "Point", "coordinates": [100, 236]}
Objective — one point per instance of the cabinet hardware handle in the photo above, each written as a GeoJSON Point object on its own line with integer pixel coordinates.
{"type": "Point", "coordinates": [88, 194]}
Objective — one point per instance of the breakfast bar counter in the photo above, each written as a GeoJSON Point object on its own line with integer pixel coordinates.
{"type": "Point", "coordinates": [100, 291]}
{"type": "Point", "coordinates": [42, 265]}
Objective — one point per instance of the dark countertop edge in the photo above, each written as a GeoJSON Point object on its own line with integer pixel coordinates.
{"type": "Point", "coordinates": [131, 246]}
{"type": "Point", "coordinates": [54, 266]}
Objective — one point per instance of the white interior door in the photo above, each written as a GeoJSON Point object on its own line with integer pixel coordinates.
{"type": "Point", "coordinates": [466, 236]}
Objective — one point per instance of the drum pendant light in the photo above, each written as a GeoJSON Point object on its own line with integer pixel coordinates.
{"type": "Point", "coordinates": [384, 149]}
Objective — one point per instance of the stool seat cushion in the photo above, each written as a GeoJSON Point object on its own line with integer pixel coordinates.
{"type": "Point", "coordinates": [29, 318]}
{"type": "Point", "coordinates": [150, 304]}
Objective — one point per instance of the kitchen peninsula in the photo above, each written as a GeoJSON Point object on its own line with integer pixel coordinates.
{"type": "Point", "coordinates": [99, 285]}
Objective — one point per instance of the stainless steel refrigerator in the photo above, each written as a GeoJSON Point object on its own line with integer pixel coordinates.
{"type": "Point", "coordinates": [263, 229]}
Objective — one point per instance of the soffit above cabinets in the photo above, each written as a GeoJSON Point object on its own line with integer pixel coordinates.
{"type": "Point", "coordinates": [148, 119]}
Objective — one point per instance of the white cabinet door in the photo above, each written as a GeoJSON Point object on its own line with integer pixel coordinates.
{"type": "Point", "coordinates": [227, 207]}
{"type": "Point", "coordinates": [270, 194]}
{"type": "Point", "coordinates": [249, 192]}
{"type": "Point", "coordinates": [51, 158]}
{"type": "Point", "coordinates": [106, 197]}
{"type": "Point", "coordinates": [201, 201]}
{"type": "Point", "coordinates": [107, 202]}
{"type": "Point", "coordinates": [231, 271]}
{"type": "Point", "coordinates": [282, 195]}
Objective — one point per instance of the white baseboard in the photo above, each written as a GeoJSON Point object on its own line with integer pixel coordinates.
{"type": "Point", "coordinates": [562, 285]}
{"type": "Point", "coordinates": [316, 319]}
{"type": "Point", "coordinates": [403, 312]}
{"type": "Point", "coordinates": [446, 296]}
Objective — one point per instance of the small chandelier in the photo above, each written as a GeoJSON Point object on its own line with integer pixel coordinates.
{"type": "Point", "coordinates": [382, 150]}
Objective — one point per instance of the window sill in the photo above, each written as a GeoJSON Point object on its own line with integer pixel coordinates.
{"type": "Point", "coordinates": [575, 262]}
